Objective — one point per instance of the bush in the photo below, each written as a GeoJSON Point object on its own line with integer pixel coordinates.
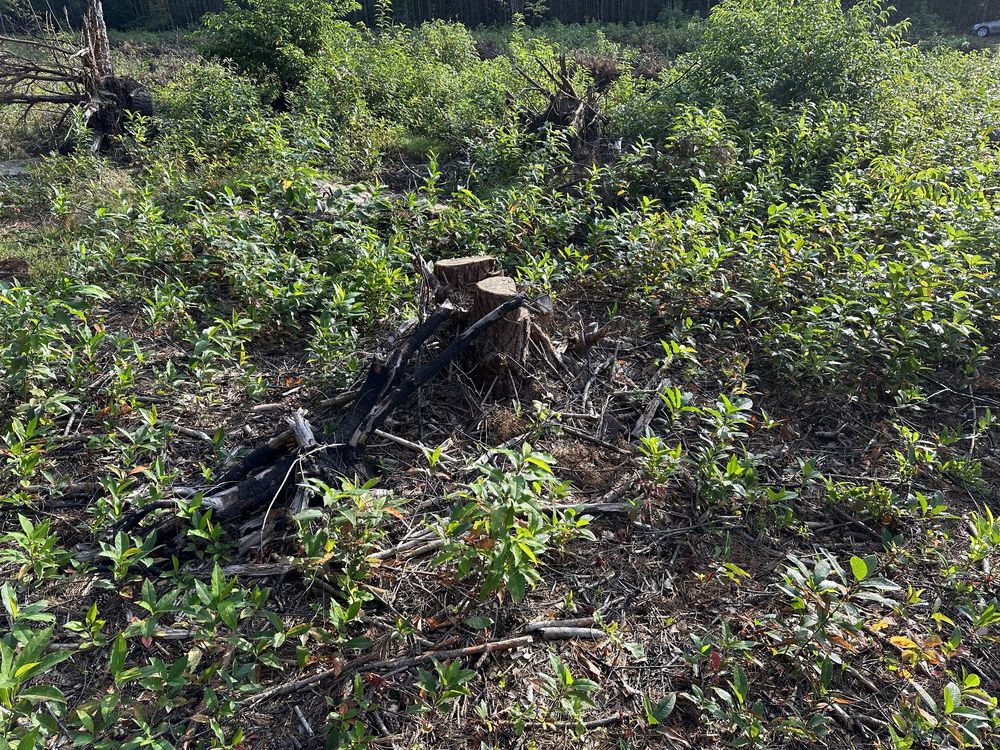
{"type": "Point", "coordinates": [211, 119]}
{"type": "Point", "coordinates": [274, 41]}
{"type": "Point", "coordinates": [432, 83]}
{"type": "Point", "coordinates": [761, 54]}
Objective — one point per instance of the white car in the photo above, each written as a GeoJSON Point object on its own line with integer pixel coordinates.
{"type": "Point", "coordinates": [986, 28]}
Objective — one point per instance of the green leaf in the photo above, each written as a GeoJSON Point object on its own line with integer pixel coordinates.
{"type": "Point", "coordinates": [527, 552]}
{"type": "Point", "coordinates": [661, 711]}
{"type": "Point", "coordinates": [739, 684]}
{"type": "Point", "coordinates": [534, 459]}
{"type": "Point", "coordinates": [931, 703]}
{"type": "Point", "coordinates": [9, 600]}
{"type": "Point", "coordinates": [227, 613]}
{"type": "Point", "coordinates": [357, 643]}
{"type": "Point", "coordinates": [860, 568]}
{"type": "Point", "coordinates": [50, 660]}
{"type": "Point", "coordinates": [218, 581]}
{"type": "Point", "coordinates": [515, 585]}
{"type": "Point", "coordinates": [480, 622]}
{"type": "Point", "coordinates": [86, 720]}
{"type": "Point", "coordinates": [29, 741]}
{"type": "Point", "coordinates": [24, 671]}
{"type": "Point", "coordinates": [118, 650]}
{"type": "Point", "coordinates": [43, 693]}
{"type": "Point", "coordinates": [952, 697]}
{"type": "Point", "coordinates": [826, 672]}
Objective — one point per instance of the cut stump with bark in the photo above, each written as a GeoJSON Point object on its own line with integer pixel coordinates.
{"type": "Point", "coordinates": [272, 477]}
{"type": "Point", "coordinates": [502, 352]}
{"type": "Point", "coordinates": [498, 360]}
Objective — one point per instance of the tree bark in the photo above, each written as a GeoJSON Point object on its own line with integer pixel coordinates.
{"type": "Point", "coordinates": [459, 273]}
{"type": "Point", "coordinates": [502, 352]}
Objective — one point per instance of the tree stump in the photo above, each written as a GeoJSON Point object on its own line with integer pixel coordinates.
{"type": "Point", "coordinates": [73, 76]}
{"type": "Point", "coordinates": [503, 350]}
{"type": "Point", "coordinates": [499, 357]}
{"type": "Point", "coordinates": [459, 273]}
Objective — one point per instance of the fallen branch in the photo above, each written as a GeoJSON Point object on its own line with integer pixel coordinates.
{"type": "Point", "coordinates": [388, 665]}
{"type": "Point", "coordinates": [578, 622]}
{"type": "Point", "coordinates": [565, 634]}
{"type": "Point", "coordinates": [417, 447]}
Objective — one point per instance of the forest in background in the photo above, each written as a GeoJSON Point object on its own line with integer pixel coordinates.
{"type": "Point", "coordinates": [949, 15]}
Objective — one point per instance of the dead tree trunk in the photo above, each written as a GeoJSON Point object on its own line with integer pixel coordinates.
{"type": "Point", "coordinates": [46, 70]}
{"type": "Point", "coordinates": [567, 105]}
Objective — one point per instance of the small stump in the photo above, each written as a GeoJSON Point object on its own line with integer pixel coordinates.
{"type": "Point", "coordinates": [500, 355]}
{"type": "Point", "coordinates": [14, 268]}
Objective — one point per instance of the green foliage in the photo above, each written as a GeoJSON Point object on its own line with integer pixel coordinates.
{"type": "Point", "coordinates": [34, 548]}
{"type": "Point", "coordinates": [27, 703]}
{"type": "Point", "coordinates": [499, 530]}
{"type": "Point", "coordinates": [431, 82]}
{"type": "Point", "coordinates": [758, 55]}
{"type": "Point", "coordinates": [442, 687]}
{"type": "Point", "coordinates": [792, 231]}
{"type": "Point", "coordinates": [274, 41]}
{"type": "Point", "coordinates": [344, 531]}
{"type": "Point", "coordinates": [572, 695]}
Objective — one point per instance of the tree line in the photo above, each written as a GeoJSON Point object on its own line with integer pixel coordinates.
{"type": "Point", "coordinates": [167, 14]}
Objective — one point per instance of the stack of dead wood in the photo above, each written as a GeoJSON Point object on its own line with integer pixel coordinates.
{"type": "Point", "coordinates": [568, 104]}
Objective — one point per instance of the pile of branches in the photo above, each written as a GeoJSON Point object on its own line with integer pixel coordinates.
{"type": "Point", "coordinates": [45, 69]}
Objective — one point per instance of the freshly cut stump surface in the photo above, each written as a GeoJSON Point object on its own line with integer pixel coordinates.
{"type": "Point", "coordinates": [462, 272]}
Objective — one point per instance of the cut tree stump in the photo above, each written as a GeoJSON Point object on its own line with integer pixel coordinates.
{"type": "Point", "coordinates": [459, 273]}
{"type": "Point", "coordinates": [272, 476]}
{"type": "Point", "coordinates": [502, 352]}
{"type": "Point", "coordinates": [492, 336]}
{"type": "Point", "coordinates": [499, 357]}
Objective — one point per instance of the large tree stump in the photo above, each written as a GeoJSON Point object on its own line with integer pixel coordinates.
{"type": "Point", "coordinates": [263, 479]}
{"type": "Point", "coordinates": [498, 360]}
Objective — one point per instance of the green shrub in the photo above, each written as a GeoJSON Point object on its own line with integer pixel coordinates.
{"type": "Point", "coordinates": [274, 41]}
{"type": "Point", "coordinates": [430, 82]}
{"type": "Point", "coordinates": [755, 55]}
